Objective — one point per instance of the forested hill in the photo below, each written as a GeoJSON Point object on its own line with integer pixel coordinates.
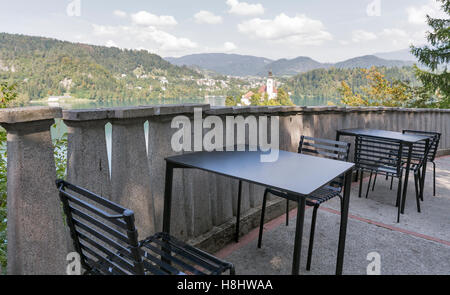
{"type": "Point", "coordinates": [43, 67]}
{"type": "Point", "coordinates": [323, 84]}
{"type": "Point", "coordinates": [224, 64]}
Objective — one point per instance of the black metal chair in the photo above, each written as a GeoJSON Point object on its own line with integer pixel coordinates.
{"type": "Point", "coordinates": [381, 156]}
{"type": "Point", "coordinates": [105, 237]}
{"type": "Point", "coordinates": [419, 152]}
{"type": "Point", "coordinates": [331, 149]}
{"type": "Point", "coordinates": [420, 155]}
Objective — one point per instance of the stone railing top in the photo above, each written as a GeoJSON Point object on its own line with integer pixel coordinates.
{"type": "Point", "coordinates": [86, 114]}
{"type": "Point", "coordinates": [28, 114]}
{"type": "Point", "coordinates": [131, 112]}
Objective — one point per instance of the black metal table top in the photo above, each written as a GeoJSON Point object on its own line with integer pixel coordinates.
{"type": "Point", "coordinates": [291, 172]}
{"type": "Point", "coordinates": [406, 138]}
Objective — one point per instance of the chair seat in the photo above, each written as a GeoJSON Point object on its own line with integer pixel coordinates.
{"type": "Point", "coordinates": [163, 254]}
{"type": "Point", "coordinates": [318, 197]}
{"type": "Point", "coordinates": [414, 165]}
{"type": "Point", "coordinates": [178, 258]}
{"type": "Point", "coordinates": [387, 170]}
{"type": "Point", "coordinates": [380, 169]}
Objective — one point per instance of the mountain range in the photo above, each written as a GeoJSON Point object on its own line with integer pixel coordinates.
{"type": "Point", "coordinates": [245, 65]}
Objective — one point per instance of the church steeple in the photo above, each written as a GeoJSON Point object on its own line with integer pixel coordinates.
{"type": "Point", "coordinates": [270, 85]}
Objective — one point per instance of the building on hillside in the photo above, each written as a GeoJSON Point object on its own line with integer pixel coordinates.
{"type": "Point", "coordinates": [246, 98]}
{"type": "Point", "coordinates": [269, 88]}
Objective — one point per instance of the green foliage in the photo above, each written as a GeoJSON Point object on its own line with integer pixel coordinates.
{"type": "Point", "coordinates": [60, 153]}
{"type": "Point", "coordinates": [282, 99]}
{"type": "Point", "coordinates": [3, 212]}
{"type": "Point", "coordinates": [7, 93]}
{"type": "Point", "coordinates": [436, 82]}
{"type": "Point", "coordinates": [230, 101]}
{"type": "Point", "coordinates": [43, 67]}
{"type": "Point", "coordinates": [324, 84]}
{"type": "Point", "coordinates": [379, 92]}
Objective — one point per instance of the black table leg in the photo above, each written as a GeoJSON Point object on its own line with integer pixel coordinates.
{"type": "Point", "coordinates": [167, 207]}
{"type": "Point", "coordinates": [238, 213]}
{"type": "Point", "coordinates": [298, 235]}
{"type": "Point", "coordinates": [424, 169]}
{"type": "Point", "coordinates": [343, 225]}
{"type": "Point", "coordinates": [405, 186]}
{"type": "Point", "coordinates": [167, 198]}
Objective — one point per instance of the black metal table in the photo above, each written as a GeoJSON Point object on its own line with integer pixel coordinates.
{"type": "Point", "coordinates": [297, 175]}
{"type": "Point", "coordinates": [407, 140]}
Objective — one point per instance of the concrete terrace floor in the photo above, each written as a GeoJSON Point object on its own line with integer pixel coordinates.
{"type": "Point", "coordinates": [419, 244]}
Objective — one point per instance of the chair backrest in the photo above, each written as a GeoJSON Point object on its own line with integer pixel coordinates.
{"type": "Point", "coordinates": [378, 154]}
{"type": "Point", "coordinates": [103, 232]}
{"type": "Point", "coordinates": [419, 148]}
{"type": "Point", "coordinates": [325, 148]}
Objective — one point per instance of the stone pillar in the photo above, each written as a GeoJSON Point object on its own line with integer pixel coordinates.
{"type": "Point", "coordinates": [222, 191]}
{"type": "Point", "coordinates": [36, 234]}
{"type": "Point", "coordinates": [87, 157]}
{"type": "Point", "coordinates": [159, 147]}
{"type": "Point", "coordinates": [130, 175]}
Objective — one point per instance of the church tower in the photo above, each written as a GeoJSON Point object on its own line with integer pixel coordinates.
{"type": "Point", "coordinates": [270, 86]}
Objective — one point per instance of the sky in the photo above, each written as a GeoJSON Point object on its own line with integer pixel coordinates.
{"type": "Point", "coordinates": [326, 30]}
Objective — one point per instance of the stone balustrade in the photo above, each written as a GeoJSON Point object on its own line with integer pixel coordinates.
{"type": "Point", "coordinates": [204, 205]}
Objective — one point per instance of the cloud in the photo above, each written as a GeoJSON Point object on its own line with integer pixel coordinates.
{"type": "Point", "coordinates": [120, 13]}
{"type": "Point", "coordinates": [145, 18]}
{"type": "Point", "coordinates": [110, 43]}
{"type": "Point", "coordinates": [100, 30]}
{"type": "Point", "coordinates": [299, 30]}
{"type": "Point", "coordinates": [244, 8]}
{"type": "Point", "coordinates": [394, 33]}
{"type": "Point", "coordinates": [363, 36]}
{"type": "Point", "coordinates": [145, 37]}
{"type": "Point", "coordinates": [417, 14]}
{"type": "Point", "coordinates": [229, 46]}
{"type": "Point", "coordinates": [206, 17]}
{"type": "Point", "coordinates": [393, 38]}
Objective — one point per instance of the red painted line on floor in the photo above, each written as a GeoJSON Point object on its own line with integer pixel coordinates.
{"type": "Point", "coordinates": [253, 234]}
{"type": "Point", "coordinates": [393, 228]}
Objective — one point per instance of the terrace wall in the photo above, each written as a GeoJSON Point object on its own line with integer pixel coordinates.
{"type": "Point", "coordinates": [204, 205]}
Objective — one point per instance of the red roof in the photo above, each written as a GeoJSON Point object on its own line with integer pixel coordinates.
{"type": "Point", "coordinates": [249, 94]}
{"type": "Point", "coordinates": [263, 89]}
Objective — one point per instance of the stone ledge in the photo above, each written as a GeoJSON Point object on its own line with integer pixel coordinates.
{"type": "Point", "coordinates": [29, 114]}
{"type": "Point", "coordinates": [443, 152]}
{"type": "Point", "coordinates": [217, 111]}
{"type": "Point", "coordinates": [133, 112]}
{"type": "Point", "coordinates": [17, 115]}
{"type": "Point", "coordinates": [220, 236]}
{"type": "Point", "coordinates": [86, 114]}
{"type": "Point", "coordinates": [176, 109]}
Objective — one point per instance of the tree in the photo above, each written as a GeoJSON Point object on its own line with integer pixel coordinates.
{"type": "Point", "coordinates": [380, 92]}
{"type": "Point", "coordinates": [436, 82]}
{"type": "Point", "coordinates": [230, 101]}
{"type": "Point", "coordinates": [283, 98]}
{"type": "Point", "coordinates": [7, 93]}
{"type": "Point", "coordinates": [256, 99]}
